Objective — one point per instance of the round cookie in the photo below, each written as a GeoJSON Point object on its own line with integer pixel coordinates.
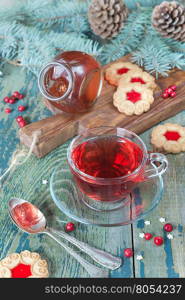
{"type": "Point", "coordinates": [133, 99]}
{"type": "Point", "coordinates": [139, 76]}
{"type": "Point", "coordinates": [168, 138]}
{"type": "Point", "coordinates": [118, 70]}
{"type": "Point", "coordinates": [24, 265]}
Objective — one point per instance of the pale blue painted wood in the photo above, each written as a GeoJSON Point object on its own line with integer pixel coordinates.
{"type": "Point", "coordinates": [26, 182]}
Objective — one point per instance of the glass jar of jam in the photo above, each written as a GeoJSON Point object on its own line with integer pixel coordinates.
{"type": "Point", "coordinates": [71, 83]}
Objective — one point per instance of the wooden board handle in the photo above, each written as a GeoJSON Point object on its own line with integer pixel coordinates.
{"type": "Point", "coordinates": [53, 132]}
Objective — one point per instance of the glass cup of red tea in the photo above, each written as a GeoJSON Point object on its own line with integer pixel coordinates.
{"type": "Point", "coordinates": [108, 163]}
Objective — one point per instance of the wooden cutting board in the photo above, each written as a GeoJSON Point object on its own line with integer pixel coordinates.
{"type": "Point", "coordinates": [56, 130]}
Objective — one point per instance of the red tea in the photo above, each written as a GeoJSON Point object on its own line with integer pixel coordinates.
{"type": "Point", "coordinates": [107, 157]}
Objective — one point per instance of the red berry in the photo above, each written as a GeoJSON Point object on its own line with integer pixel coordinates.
{"type": "Point", "coordinates": [168, 227]}
{"type": "Point", "coordinates": [8, 110]}
{"type": "Point", "coordinates": [6, 99]}
{"type": "Point", "coordinates": [11, 101]}
{"type": "Point", "coordinates": [173, 94]}
{"type": "Point", "coordinates": [21, 108]}
{"type": "Point", "coordinates": [20, 96]}
{"type": "Point", "coordinates": [165, 95]}
{"type": "Point", "coordinates": [70, 227]}
{"type": "Point", "coordinates": [16, 95]}
{"type": "Point", "coordinates": [173, 87]}
{"type": "Point", "coordinates": [169, 91]}
{"type": "Point", "coordinates": [22, 123]}
{"type": "Point", "coordinates": [148, 236]}
{"type": "Point", "coordinates": [19, 118]}
{"type": "Point", "coordinates": [128, 252]}
{"type": "Point", "coordinates": [158, 240]}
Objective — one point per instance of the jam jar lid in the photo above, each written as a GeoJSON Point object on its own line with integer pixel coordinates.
{"type": "Point", "coordinates": [55, 81]}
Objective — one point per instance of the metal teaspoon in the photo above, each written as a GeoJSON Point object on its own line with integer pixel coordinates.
{"type": "Point", "coordinates": [39, 225]}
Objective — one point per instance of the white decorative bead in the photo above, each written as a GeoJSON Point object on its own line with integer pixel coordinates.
{"type": "Point", "coordinates": [44, 181]}
{"type": "Point", "coordinates": [162, 220]}
{"type": "Point", "coordinates": [170, 236]}
{"type": "Point", "coordinates": [139, 257]}
{"type": "Point", "coordinates": [141, 235]}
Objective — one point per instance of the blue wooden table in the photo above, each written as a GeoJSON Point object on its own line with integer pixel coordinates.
{"type": "Point", "coordinates": [26, 182]}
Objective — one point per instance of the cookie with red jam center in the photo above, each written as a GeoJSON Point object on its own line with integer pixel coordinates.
{"type": "Point", "coordinates": [23, 265]}
{"type": "Point", "coordinates": [119, 70]}
{"type": "Point", "coordinates": [168, 138]}
{"type": "Point", "coordinates": [133, 99]}
{"type": "Point", "coordinates": [141, 77]}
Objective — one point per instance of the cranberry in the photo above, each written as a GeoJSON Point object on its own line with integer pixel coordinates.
{"type": "Point", "coordinates": [19, 118]}
{"type": "Point", "coordinates": [11, 101]}
{"type": "Point", "coordinates": [168, 227]}
{"type": "Point", "coordinates": [173, 94]}
{"type": "Point", "coordinates": [169, 90]}
{"type": "Point", "coordinates": [16, 95]}
{"type": "Point", "coordinates": [22, 123]}
{"type": "Point", "coordinates": [21, 108]}
{"type": "Point", "coordinates": [8, 110]}
{"type": "Point", "coordinates": [173, 87]}
{"type": "Point", "coordinates": [165, 95]}
{"type": "Point", "coordinates": [21, 96]}
{"type": "Point", "coordinates": [70, 227]}
{"type": "Point", "coordinates": [128, 252]}
{"type": "Point", "coordinates": [6, 99]}
{"type": "Point", "coordinates": [158, 240]}
{"type": "Point", "coordinates": [148, 236]}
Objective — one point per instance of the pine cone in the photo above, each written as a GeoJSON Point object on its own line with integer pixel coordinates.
{"type": "Point", "coordinates": [106, 17]}
{"type": "Point", "coordinates": [169, 19]}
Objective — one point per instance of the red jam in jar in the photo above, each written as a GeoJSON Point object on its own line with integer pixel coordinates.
{"type": "Point", "coordinates": [71, 83]}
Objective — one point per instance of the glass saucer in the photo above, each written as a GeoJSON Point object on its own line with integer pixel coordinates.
{"type": "Point", "coordinates": [70, 200]}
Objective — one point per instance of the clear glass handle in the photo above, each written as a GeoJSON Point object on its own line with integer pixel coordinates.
{"type": "Point", "coordinates": [159, 165]}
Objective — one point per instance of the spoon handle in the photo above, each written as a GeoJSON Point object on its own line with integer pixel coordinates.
{"type": "Point", "coordinates": [93, 271]}
{"type": "Point", "coordinates": [103, 258]}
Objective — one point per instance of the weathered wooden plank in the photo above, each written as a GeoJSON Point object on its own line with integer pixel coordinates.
{"type": "Point", "coordinates": [167, 260]}
{"type": "Point", "coordinates": [61, 265]}
{"type": "Point", "coordinates": [26, 182]}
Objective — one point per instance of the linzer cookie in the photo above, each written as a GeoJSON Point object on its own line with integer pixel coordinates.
{"type": "Point", "coordinates": [133, 99]}
{"type": "Point", "coordinates": [139, 76]}
{"type": "Point", "coordinates": [118, 70]}
{"type": "Point", "coordinates": [24, 265]}
{"type": "Point", "coordinates": [168, 138]}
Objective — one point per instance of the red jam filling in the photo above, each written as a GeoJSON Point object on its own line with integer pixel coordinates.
{"type": "Point", "coordinates": [21, 271]}
{"type": "Point", "coordinates": [25, 214]}
{"type": "Point", "coordinates": [172, 135]}
{"type": "Point", "coordinates": [133, 96]}
{"type": "Point", "coordinates": [122, 71]}
{"type": "Point", "coordinates": [138, 79]}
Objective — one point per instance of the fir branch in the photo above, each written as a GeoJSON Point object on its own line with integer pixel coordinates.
{"type": "Point", "coordinates": [34, 48]}
{"type": "Point", "coordinates": [175, 46]}
{"type": "Point", "coordinates": [67, 15]}
{"type": "Point", "coordinates": [40, 29]}
{"type": "Point", "coordinates": [158, 55]}
{"type": "Point", "coordinates": [153, 55]}
{"type": "Point", "coordinates": [177, 60]}
{"type": "Point", "coordinates": [133, 4]}
{"type": "Point", "coordinates": [130, 36]}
